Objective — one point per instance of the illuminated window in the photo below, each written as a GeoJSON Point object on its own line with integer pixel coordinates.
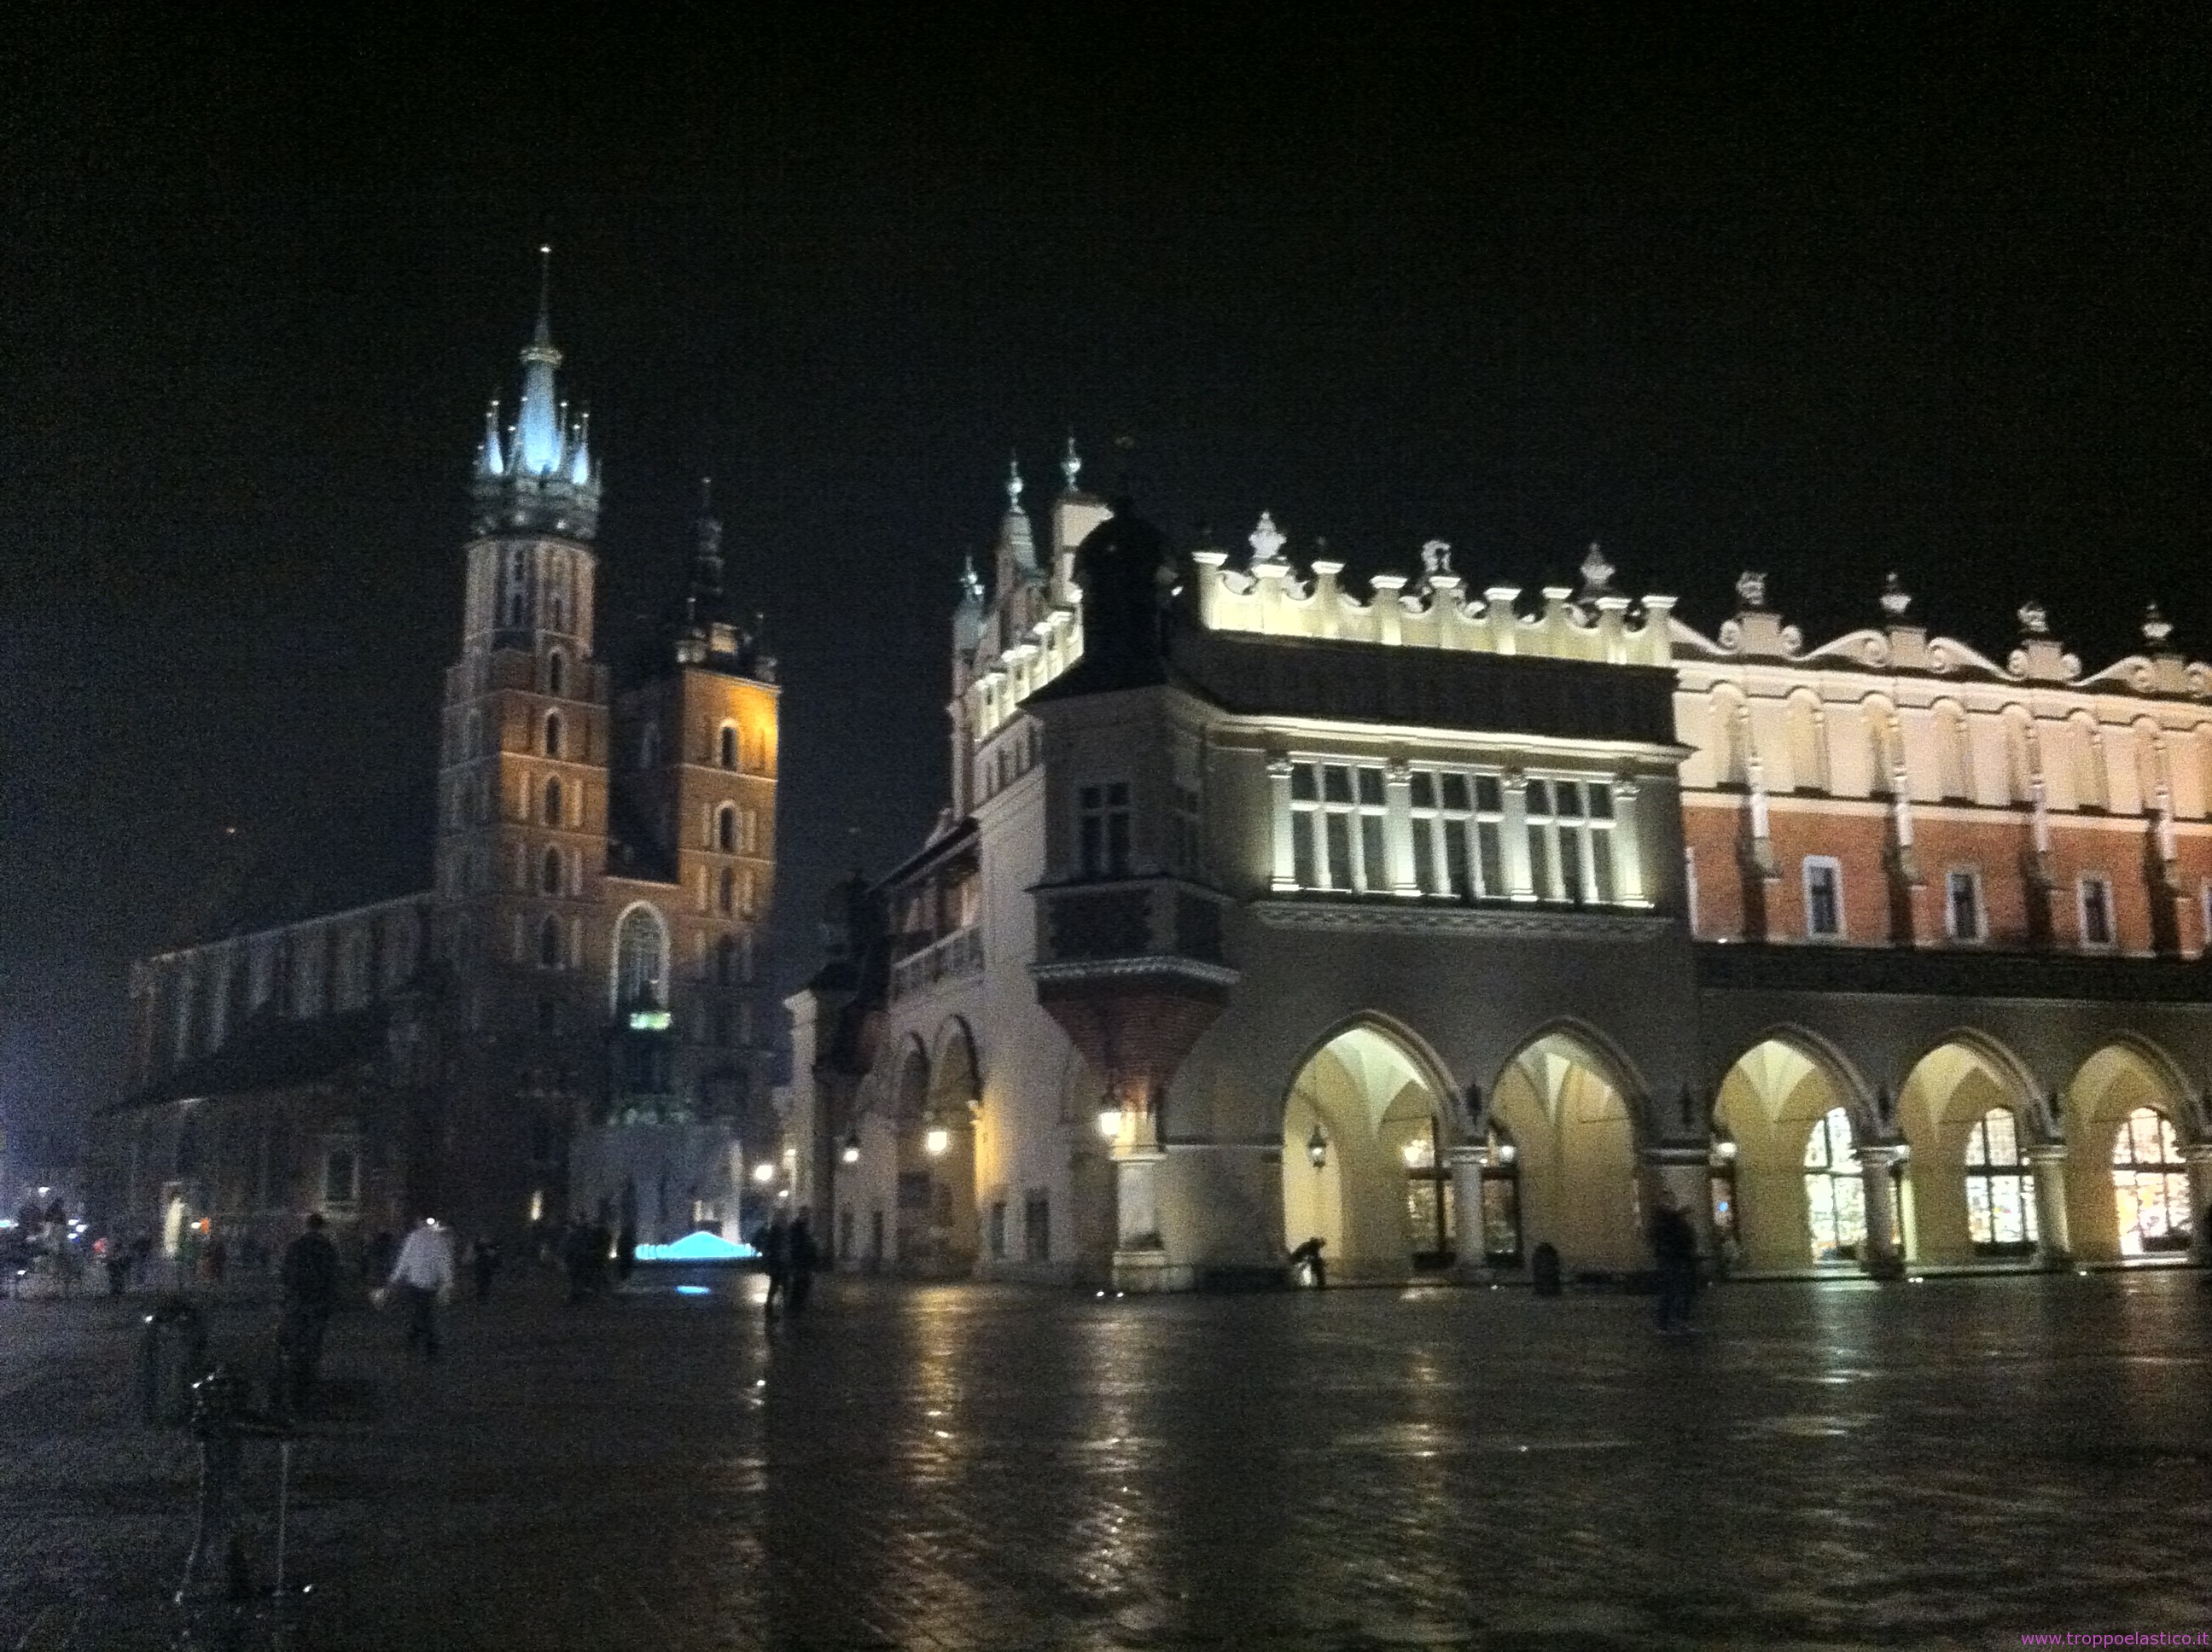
{"type": "Point", "coordinates": [1430, 1216]}
{"type": "Point", "coordinates": [2150, 1185]}
{"type": "Point", "coordinates": [642, 959]}
{"type": "Point", "coordinates": [727, 755]}
{"type": "Point", "coordinates": [1824, 896]}
{"type": "Point", "coordinates": [1458, 827]}
{"type": "Point", "coordinates": [1102, 820]}
{"type": "Point", "coordinates": [1336, 821]}
{"type": "Point", "coordinates": [2094, 896]}
{"type": "Point", "coordinates": [1570, 839]}
{"type": "Point", "coordinates": [1835, 1190]}
{"type": "Point", "coordinates": [2000, 1186]}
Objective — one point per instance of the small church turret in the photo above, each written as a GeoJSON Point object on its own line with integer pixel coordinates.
{"type": "Point", "coordinates": [541, 477]}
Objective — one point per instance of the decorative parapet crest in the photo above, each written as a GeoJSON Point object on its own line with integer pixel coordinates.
{"type": "Point", "coordinates": [1435, 610]}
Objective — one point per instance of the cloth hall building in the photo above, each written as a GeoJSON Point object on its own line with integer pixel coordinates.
{"type": "Point", "coordinates": [1442, 923]}
{"type": "Point", "coordinates": [559, 1014]}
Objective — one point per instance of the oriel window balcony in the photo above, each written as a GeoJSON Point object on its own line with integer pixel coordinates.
{"type": "Point", "coordinates": [951, 958]}
{"type": "Point", "coordinates": [1132, 925]}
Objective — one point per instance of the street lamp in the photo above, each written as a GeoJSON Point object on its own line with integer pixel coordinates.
{"type": "Point", "coordinates": [764, 1173]}
{"type": "Point", "coordinates": [851, 1154]}
{"type": "Point", "coordinates": [1109, 1122]}
{"type": "Point", "coordinates": [1317, 1149]}
{"type": "Point", "coordinates": [937, 1141]}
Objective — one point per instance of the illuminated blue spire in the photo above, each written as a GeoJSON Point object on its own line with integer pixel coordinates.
{"type": "Point", "coordinates": [538, 437]}
{"type": "Point", "coordinates": [542, 478]}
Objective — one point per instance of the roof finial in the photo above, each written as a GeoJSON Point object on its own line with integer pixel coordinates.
{"type": "Point", "coordinates": [1751, 589]}
{"type": "Point", "coordinates": [1597, 573]}
{"type": "Point", "coordinates": [1896, 600]}
{"type": "Point", "coordinates": [2034, 618]}
{"type": "Point", "coordinates": [544, 338]}
{"type": "Point", "coordinates": [1071, 463]}
{"type": "Point", "coordinates": [2156, 628]}
{"type": "Point", "coordinates": [1014, 484]}
{"type": "Point", "coordinates": [1266, 540]}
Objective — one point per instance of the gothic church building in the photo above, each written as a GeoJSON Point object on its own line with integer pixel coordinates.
{"type": "Point", "coordinates": [564, 1018]}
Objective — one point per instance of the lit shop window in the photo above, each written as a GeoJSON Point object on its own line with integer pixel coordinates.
{"type": "Point", "coordinates": [2150, 1185]}
{"type": "Point", "coordinates": [2000, 1186]}
{"type": "Point", "coordinates": [1835, 1190]}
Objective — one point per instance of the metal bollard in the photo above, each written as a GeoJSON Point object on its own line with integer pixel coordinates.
{"type": "Point", "coordinates": [172, 1358]}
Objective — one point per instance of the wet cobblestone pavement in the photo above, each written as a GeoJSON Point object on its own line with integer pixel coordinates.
{"type": "Point", "coordinates": [1948, 1464]}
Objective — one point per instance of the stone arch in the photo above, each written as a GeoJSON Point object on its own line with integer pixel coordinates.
{"type": "Point", "coordinates": [1576, 1112]}
{"type": "Point", "coordinates": [1808, 741]}
{"type": "Point", "coordinates": [1952, 1087]}
{"type": "Point", "coordinates": [2125, 1074]}
{"type": "Point", "coordinates": [1768, 1103]}
{"type": "Point", "coordinates": [638, 960]}
{"type": "Point", "coordinates": [1373, 1105]}
{"type": "Point", "coordinates": [1954, 750]}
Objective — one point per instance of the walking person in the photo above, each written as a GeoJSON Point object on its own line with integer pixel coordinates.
{"type": "Point", "coordinates": [1675, 1247]}
{"type": "Point", "coordinates": [308, 1276]}
{"type": "Point", "coordinates": [800, 1258]}
{"type": "Point", "coordinates": [424, 1277]}
{"type": "Point", "coordinates": [775, 1254]}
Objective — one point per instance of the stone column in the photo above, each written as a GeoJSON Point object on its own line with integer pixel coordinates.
{"type": "Point", "coordinates": [1140, 1261]}
{"type": "Point", "coordinates": [2197, 1156]}
{"type": "Point", "coordinates": [1285, 876]}
{"type": "Point", "coordinates": [1885, 1252]}
{"type": "Point", "coordinates": [1468, 1160]}
{"type": "Point", "coordinates": [1514, 829]}
{"type": "Point", "coordinates": [2054, 1247]}
{"type": "Point", "coordinates": [1627, 844]}
{"type": "Point", "coordinates": [1398, 828]}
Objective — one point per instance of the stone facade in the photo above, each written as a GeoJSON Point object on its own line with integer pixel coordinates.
{"type": "Point", "coordinates": [566, 1016]}
{"type": "Point", "coordinates": [1441, 926]}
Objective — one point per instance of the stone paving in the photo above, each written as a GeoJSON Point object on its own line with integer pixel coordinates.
{"type": "Point", "coordinates": [1951, 1463]}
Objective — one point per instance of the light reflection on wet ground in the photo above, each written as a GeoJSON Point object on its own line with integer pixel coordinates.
{"type": "Point", "coordinates": [967, 1466]}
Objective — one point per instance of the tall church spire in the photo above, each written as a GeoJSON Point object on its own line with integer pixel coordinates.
{"type": "Point", "coordinates": [543, 478]}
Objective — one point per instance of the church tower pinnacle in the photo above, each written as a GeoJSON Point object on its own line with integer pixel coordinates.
{"type": "Point", "coordinates": [541, 476]}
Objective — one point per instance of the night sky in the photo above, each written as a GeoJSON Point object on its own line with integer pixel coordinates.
{"type": "Point", "coordinates": [1820, 290]}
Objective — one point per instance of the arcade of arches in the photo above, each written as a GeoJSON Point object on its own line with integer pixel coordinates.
{"type": "Point", "coordinates": [1808, 1168]}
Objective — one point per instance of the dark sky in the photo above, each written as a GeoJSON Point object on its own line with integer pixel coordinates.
{"type": "Point", "coordinates": [1823, 290]}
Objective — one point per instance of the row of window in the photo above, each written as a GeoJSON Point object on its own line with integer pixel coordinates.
{"type": "Point", "coordinates": [1965, 918]}
{"type": "Point", "coordinates": [1462, 836]}
{"type": "Point", "coordinates": [729, 749]}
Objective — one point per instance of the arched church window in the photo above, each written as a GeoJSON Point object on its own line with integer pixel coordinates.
{"type": "Point", "coordinates": [1835, 1191]}
{"type": "Point", "coordinates": [556, 672]}
{"type": "Point", "coordinates": [553, 732]}
{"type": "Point", "coordinates": [726, 828]}
{"type": "Point", "coordinates": [726, 895]}
{"type": "Point", "coordinates": [2000, 1186]}
{"type": "Point", "coordinates": [642, 959]}
{"type": "Point", "coordinates": [2150, 1185]}
{"type": "Point", "coordinates": [553, 802]}
{"type": "Point", "coordinates": [549, 944]}
{"type": "Point", "coordinates": [1501, 1201]}
{"type": "Point", "coordinates": [728, 756]}
{"type": "Point", "coordinates": [549, 873]}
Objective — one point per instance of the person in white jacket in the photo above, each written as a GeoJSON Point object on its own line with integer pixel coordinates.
{"type": "Point", "coordinates": [424, 1277]}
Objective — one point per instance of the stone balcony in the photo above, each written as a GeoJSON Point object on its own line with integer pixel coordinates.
{"type": "Point", "coordinates": [956, 956]}
{"type": "Point", "coordinates": [1131, 928]}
